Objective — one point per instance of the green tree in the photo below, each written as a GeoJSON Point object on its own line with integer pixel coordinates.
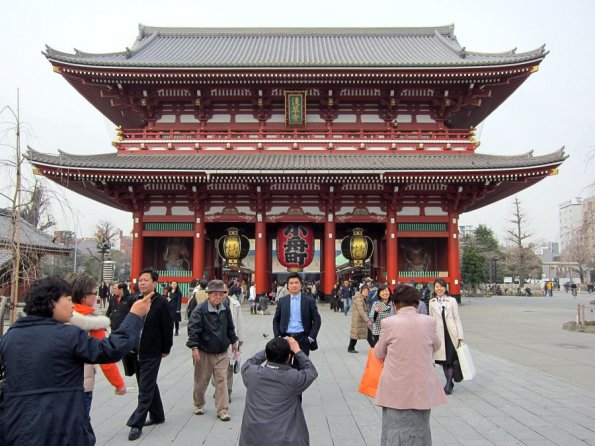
{"type": "Point", "coordinates": [487, 245]}
{"type": "Point", "coordinates": [473, 267]}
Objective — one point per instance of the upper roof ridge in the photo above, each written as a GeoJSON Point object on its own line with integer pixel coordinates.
{"type": "Point", "coordinates": [145, 31]}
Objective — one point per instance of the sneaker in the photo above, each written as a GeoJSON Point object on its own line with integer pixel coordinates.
{"type": "Point", "coordinates": [199, 410]}
{"type": "Point", "coordinates": [352, 350]}
{"type": "Point", "coordinates": [223, 415]}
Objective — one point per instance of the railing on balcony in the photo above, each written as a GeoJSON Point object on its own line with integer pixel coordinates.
{"type": "Point", "coordinates": [393, 134]}
{"type": "Point", "coordinates": [447, 140]}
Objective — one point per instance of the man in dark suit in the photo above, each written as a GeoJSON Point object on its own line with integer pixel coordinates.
{"type": "Point", "coordinates": [119, 305]}
{"type": "Point", "coordinates": [155, 343]}
{"type": "Point", "coordinates": [297, 316]}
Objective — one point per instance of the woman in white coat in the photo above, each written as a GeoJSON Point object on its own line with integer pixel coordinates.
{"type": "Point", "coordinates": [449, 328]}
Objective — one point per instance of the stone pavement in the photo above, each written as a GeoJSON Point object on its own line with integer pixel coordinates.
{"type": "Point", "coordinates": [534, 385]}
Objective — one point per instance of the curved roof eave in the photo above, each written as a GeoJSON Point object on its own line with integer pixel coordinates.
{"type": "Point", "coordinates": [321, 67]}
{"type": "Point", "coordinates": [544, 161]}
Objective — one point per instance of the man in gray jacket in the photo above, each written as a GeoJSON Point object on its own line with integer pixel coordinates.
{"type": "Point", "coordinates": [210, 333]}
{"type": "Point", "coordinates": [273, 412]}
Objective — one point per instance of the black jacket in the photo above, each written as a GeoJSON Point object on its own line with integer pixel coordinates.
{"type": "Point", "coordinates": [118, 311]}
{"type": "Point", "coordinates": [210, 331]}
{"type": "Point", "coordinates": [175, 305]}
{"type": "Point", "coordinates": [157, 337]}
{"type": "Point", "coordinates": [43, 395]}
{"type": "Point", "coordinates": [310, 317]}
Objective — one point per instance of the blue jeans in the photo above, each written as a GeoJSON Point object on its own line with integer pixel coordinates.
{"type": "Point", "coordinates": [346, 305]}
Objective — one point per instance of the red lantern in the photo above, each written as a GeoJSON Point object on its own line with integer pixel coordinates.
{"type": "Point", "coordinates": [295, 246]}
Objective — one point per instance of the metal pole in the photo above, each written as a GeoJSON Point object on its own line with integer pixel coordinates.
{"type": "Point", "coordinates": [101, 267]}
{"type": "Point", "coordinates": [75, 249]}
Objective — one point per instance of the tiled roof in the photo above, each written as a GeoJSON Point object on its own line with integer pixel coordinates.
{"type": "Point", "coordinates": [270, 162]}
{"type": "Point", "coordinates": [30, 236]}
{"type": "Point", "coordinates": [296, 48]}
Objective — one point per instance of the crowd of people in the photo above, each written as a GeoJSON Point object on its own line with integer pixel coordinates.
{"type": "Point", "coordinates": [407, 330]}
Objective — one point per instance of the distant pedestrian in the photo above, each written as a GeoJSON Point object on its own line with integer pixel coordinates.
{"type": "Point", "coordinates": [359, 320]}
{"type": "Point", "coordinates": [119, 305]}
{"type": "Point", "coordinates": [174, 299]}
{"type": "Point", "coordinates": [104, 294]}
{"type": "Point", "coordinates": [199, 295]}
{"type": "Point", "coordinates": [346, 295]}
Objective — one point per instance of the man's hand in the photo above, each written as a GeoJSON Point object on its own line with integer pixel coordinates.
{"type": "Point", "coordinates": [121, 390]}
{"type": "Point", "coordinates": [293, 345]}
{"type": "Point", "coordinates": [234, 347]}
{"type": "Point", "coordinates": [142, 306]}
{"type": "Point", "coordinates": [195, 355]}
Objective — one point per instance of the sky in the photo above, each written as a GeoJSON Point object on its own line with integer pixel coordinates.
{"type": "Point", "coordinates": [551, 110]}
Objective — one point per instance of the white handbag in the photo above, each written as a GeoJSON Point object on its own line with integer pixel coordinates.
{"type": "Point", "coordinates": [466, 361]}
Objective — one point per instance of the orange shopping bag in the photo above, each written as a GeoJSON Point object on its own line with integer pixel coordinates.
{"type": "Point", "coordinates": [371, 377]}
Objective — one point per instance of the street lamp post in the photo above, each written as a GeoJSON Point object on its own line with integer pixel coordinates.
{"type": "Point", "coordinates": [103, 248]}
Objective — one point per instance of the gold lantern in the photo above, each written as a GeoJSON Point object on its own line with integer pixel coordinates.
{"type": "Point", "coordinates": [233, 247]}
{"type": "Point", "coordinates": [357, 248]}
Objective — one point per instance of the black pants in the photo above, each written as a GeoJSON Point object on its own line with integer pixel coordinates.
{"type": "Point", "coordinates": [370, 340]}
{"type": "Point", "coordinates": [304, 343]}
{"type": "Point", "coordinates": [149, 399]}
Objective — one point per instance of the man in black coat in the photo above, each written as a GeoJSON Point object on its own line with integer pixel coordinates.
{"type": "Point", "coordinates": [119, 305]}
{"type": "Point", "coordinates": [297, 316]}
{"type": "Point", "coordinates": [155, 344]}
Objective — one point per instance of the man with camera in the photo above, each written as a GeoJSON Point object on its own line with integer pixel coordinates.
{"type": "Point", "coordinates": [273, 392]}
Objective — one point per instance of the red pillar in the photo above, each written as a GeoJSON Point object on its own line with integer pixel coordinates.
{"type": "Point", "coordinates": [329, 266]}
{"type": "Point", "coordinates": [137, 246]}
{"type": "Point", "coordinates": [261, 257]}
{"type": "Point", "coordinates": [198, 253]}
{"type": "Point", "coordinates": [209, 260]}
{"type": "Point", "coordinates": [454, 270]}
{"type": "Point", "coordinates": [392, 269]}
{"type": "Point", "coordinates": [381, 261]}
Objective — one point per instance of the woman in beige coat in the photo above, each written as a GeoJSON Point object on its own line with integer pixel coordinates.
{"type": "Point", "coordinates": [449, 328]}
{"type": "Point", "coordinates": [409, 385]}
{"type": "Point", "coordinates": [359, 320]}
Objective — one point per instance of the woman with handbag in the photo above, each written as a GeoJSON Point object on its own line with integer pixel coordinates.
{"type": "Point", "coordinates": [450, 329]}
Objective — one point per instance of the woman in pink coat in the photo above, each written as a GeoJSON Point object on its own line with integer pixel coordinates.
{"type": "Point", "coordinates": [409, 385]}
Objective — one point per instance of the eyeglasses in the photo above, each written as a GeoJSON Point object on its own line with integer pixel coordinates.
{"type": "Point", "coordinates": [90, 292]}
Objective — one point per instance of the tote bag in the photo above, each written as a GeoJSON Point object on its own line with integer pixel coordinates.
{"type": "Point", "coordinates": [466, 361]}
{"type": "Point", "coordinates": [371, 377]}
